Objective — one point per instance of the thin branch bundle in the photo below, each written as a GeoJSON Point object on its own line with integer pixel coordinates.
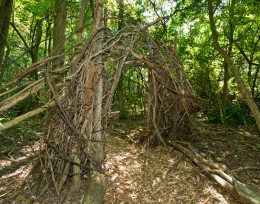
{"type": "Point", "coordinates": [70, 149]}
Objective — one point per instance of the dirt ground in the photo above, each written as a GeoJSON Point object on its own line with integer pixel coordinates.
{"type": "Point", "coordinates": [137, 174]}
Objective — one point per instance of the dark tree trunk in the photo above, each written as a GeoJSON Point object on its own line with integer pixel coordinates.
{"type": "Point", "coordinates": [59, 38]}
{"type": "Point", "coordinates": [226, 70]}
{"type": "Point", "coordinates": [6, 8]}
{"type": "Point", "coordinates": [121, 97]}
{"type": "Point", "coordinates": [37, 37]}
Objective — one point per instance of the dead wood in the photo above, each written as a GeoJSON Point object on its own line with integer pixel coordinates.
{"type": "Point", "coordinates": [234, 187]}
{"type": "Point", "coordinates": [245, 168]}
{"type": "Point", "coordinates": [32, 68]}
{"type": "Point", "coordinates": [26, 116]}
{"type": "Point", "coordinates": [14, 89]}
{"type": "Point", "coordinates": [69, 151]}
{"type": "Point", "coordinates": [23, 94]}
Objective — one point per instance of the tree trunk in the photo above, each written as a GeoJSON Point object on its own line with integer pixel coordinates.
{"type": "Point", "coordinates": [99, 134]}
{"type": "Point", "coordinates": [121, 98]}
{"type": "Point", "coordinates": [36, 41]}
{"type": "Point", "coordinates": [97, 184]}
{"type": "Point", "coordinates": [241, 85]}
{"type": "Point", "coordinates": [226, 70]}
{"type": "Point", "coordinates": [81, 21]}
{"type": "Point", "coordinates": [59, 38]}
{"type": "Point", "coordinates": [6, 8]}
{"type": "Point", "coordinates": [75, 145]}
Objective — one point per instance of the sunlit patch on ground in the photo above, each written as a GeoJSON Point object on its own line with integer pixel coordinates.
{"type": "Point", "coordinates": [14, 168]}
{"type": "Point", "coordinates": [138, 175]}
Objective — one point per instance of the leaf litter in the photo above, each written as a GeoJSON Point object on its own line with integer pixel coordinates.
{"type": "Point", "coordinates": [138, 174]}
{"type": "Point", "coordinates": [153, 175]}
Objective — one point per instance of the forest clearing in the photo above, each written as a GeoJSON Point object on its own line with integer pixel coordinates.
{"type": "Point", "coordinates": [129, 101]}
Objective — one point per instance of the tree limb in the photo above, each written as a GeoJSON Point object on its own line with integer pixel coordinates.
{"type": "Point", "coordinates": [234, 187]}
{"type": "Point", "coordinates": [26, 116]}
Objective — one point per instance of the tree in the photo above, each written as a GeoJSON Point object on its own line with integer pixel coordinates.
{"type": "Point", "coordinates": [241, 85]}
{"type": "Point", "coordinates": [6, 12]}
{"type": "Point", "coordinates": [121, 98]}
{"type": "Point", "coordinates": [224, 95]}
{"type": "Point", "coordinates": [75, 144]}
{"type": "Point", "coordinates": [81, 21]}
{"type": "Point", "coordinates": [59, 38]}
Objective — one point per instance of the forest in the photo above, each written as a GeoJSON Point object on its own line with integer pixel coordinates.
{"type": "Point", "coordinates": [130, 101]}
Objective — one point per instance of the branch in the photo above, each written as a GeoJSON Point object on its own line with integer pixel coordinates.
{"type": "Point", "coordinates": [227, 182]}
{"type": "Point", "coordinates": [30, 69]}
{"type": "Point", "coordinates": [245, 56]}
{"type": "Point", "coordinates": [20, 35]}
{"type": "Point", "coordinates": [26, 116]}
{"type": "Point", "coordinates": [10, 102]}
{"type": "Point", "coordinates": [155, 89]}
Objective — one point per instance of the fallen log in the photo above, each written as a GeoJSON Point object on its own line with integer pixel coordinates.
{"type": "Point", "coordinates": [234, 187]}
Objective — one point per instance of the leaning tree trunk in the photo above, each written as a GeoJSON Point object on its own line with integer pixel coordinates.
{"type": "Point", "coordinates": [241, 85]}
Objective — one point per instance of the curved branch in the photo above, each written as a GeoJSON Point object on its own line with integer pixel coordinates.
{"type": "Point", "coordinates": [20, 35]}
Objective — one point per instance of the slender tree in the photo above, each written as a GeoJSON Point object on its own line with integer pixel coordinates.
{"type": "Point", "coordinates": [121, 98]}
{"type": "Point", "coordinates": [241, 85]}
{"type": "Point", "coordinates": [81, 21]}
{"type": "Point", "coordinates": [6, 8]}
{"type": "Point", "coordinates": [59, 38]}
{"type": "Point", "coordinates": [226, 70]}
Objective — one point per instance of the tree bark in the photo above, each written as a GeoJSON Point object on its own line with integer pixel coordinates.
{"type": "Point", "coordinates": [241, 85]}
{"type": "Point", "coordinates": [97, 183]}
{"type": "Point", "coordinates": [216, 172]}
{"type": "Point", "coordinates": [59, 38]}
{"type": "Point", "coordinates": [81, 21]}
{"type": "Point", "coordinates": [226, 70]}
{"type": "Point", "coordinates": [6, 8]}
{"type": "Point", "coordinates": [99, 133]}
{"type": "Point", "coordinates": [121, 98]}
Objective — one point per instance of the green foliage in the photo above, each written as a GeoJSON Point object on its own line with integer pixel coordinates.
{"type": "Point", "coordinates": [202, 64]}
{"type": "Point", "coordinates": [134, 90]}
{"type": "Point", "coordinates": [205, 67]}
{"type": "Point", "coordinates": [25, 132]}
{"type": "Point", "coordinates": [237, 113]}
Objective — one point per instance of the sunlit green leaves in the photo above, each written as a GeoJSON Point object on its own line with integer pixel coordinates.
{"type": "Point", "coordinates": [37, 7]}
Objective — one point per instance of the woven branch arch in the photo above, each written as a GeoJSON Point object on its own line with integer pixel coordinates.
{"type": "Point", "coordinates": [72, 148]}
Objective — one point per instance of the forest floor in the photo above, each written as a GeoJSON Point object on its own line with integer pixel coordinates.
{"type": "Point", "coordinates": [138, 174]}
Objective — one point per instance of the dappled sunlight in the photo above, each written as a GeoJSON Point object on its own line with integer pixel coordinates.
{"type": "Point", "coordinates": [15, 167]}
{"type": "Point", "coordinates": [141, 175]}
{"type": "Point", "coordinates": [5, 163]}
{"type": "Point", "coordinates": [212, 192]}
